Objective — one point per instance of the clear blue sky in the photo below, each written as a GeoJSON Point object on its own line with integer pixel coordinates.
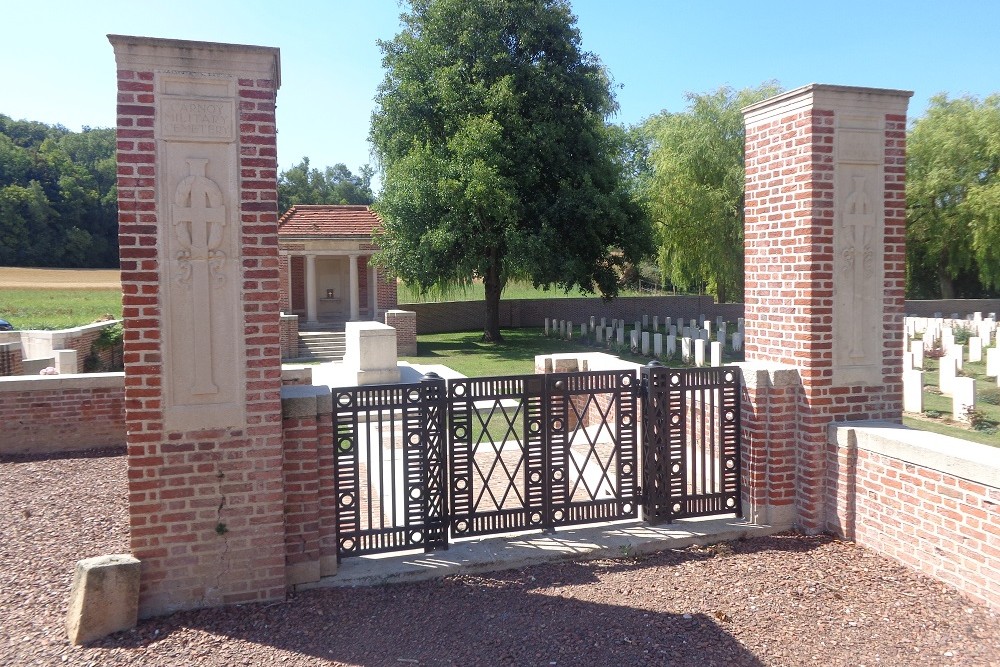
{"type": "Point", "coordinates": [57, 66]}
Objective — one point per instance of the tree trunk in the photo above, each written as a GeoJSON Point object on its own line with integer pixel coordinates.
{"type": "Point", "coordinates": [493, 285]}
{"type": "Point", "coordinates": [946, 283]}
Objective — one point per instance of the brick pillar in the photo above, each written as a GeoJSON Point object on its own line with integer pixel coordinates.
{"type": "Point", "coordinates": [825, 263]}
{"type": "Point", "coordinates": [197, 202]}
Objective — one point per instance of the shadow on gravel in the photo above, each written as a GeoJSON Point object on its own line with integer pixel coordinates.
{"type": "Point", "coordinates": [76, 454]}
{"type": "Point", "coordinates": [531, 616]}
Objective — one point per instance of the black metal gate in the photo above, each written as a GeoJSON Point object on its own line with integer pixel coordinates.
{"type": "Point", "coordinates": [691, 442]}
{"type": "Point", "coordinates": [416, 464]}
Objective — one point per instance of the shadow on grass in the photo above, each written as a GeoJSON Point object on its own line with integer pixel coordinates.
{"type": "Point", "coordinates": [516, 617]}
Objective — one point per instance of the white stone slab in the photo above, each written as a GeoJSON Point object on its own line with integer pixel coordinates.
{"type": "Point", "coordinates": [975, 349]}
{"type": "Point", "coordinates": [913, 390]}
{"type": "Point", "coordinates": [947, 372]}
{"type": "Point", "coordinates": [699, 352]}
{"type": "Point", "coordinates": [716, 354]}
{"type": "Point", "coordinates": [645, 343]}
{"type": "Point", "coordinates": [992, 362]}
{"type": "Point", "coordinates": [737, 341]}
{"type": "Point", "coordinates": [687, 351]}
{"type": "Point", "coordinates": [918, 356]}
{"type": "Point", "coordinates": [963, 398]}
{"type": "Point", "coordinates": [657, 345]}
{"type": "Point", "coordinates": [671, 345]}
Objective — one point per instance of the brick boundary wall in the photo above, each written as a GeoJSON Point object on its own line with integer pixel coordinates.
{"type": "Point", "coordinates": [453, 316]}
{"type": "Point", "coordinates": [931, 502]}
{"type": "Point", "coordinates": [405, 324]}
{"type": "Point", "coordinates": [58, 413]}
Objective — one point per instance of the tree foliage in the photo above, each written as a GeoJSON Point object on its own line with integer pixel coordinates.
{"type": "Point", "coordinates": [694, 185]}
{"type": "Point", "coordinates": [497, 161]}
{"type": "Point", "coordinates": [58, 201]}
{"type": "Point", "coordinates": [953, 198]}
{"type": "Point", "coordinates": [333, 185]}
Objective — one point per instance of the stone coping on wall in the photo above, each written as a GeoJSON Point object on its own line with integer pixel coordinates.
{"type": "Point", "coordinates": [967, 460]}
{"type": "Point", "coordinates": [68, 381]}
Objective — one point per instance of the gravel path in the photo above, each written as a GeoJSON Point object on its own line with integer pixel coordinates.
{"type": "Point", "coordinates": [784, 600]}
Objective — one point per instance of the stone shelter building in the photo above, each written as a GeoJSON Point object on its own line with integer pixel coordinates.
{"type": "Point", "coordinates": [325, 269]}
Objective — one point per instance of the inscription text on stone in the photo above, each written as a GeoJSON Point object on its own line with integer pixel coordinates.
{"type": "Point", "coordinates": [197, 119]}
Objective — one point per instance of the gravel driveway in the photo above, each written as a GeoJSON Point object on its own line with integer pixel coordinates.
{"type": "Point", "coordinates": [783, 600]}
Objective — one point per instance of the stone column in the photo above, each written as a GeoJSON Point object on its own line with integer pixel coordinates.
{"type": "Point", "coordinates": [353, 270]}
{"type": "Point", "coordinates": [825, 264]}
{"type": "Point", "coordinates": [373, 291]}
{"type": "Point", "coordinates": [197, 201]}
{"type": "Point", "coordinates": [311, 289]}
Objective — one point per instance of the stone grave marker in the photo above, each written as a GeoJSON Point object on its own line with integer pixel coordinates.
{"type": "Point", "coordinates": [975, 349]}
{"type": "Point", "coordinates": [699, 352]}
{"type": "Point", "coordinates": [686, 349]}
{"type": "Point", "coordinates": [657, 345]}
{"type": "Point", "coordinates": [947, 372]}
{"type": "Point", "coordinates": [716, 354]}
{"type": "Point", "coordinates": [672, 345]}
{"type": "Point", "coordinates": [645, 343]}
{"type": "Point", "coordinates": [913, 390]}
{"type": "Point", "coordinates": [963, 398]}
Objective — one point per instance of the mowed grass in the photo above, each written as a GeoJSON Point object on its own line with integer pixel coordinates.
{"type": "Point", "coordinates": [58, 308]}
{"type": "Point", "coordinates": [466, 352]}
{"type": "Point", "coordinates": [936, 403]}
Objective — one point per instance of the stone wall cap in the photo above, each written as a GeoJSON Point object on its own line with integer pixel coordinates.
{"type": "Point", "coordinates": [823, 95]}
{"type": "Point", "coordinates": [953, 456]}
{"type": "Point", "coordinates": [187, 53]}
{"type": "Point", "coordinates": [303, 400]}
{"type": "Point", "coordinates": [68, 381]}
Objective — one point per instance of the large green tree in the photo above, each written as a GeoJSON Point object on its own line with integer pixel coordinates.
{"type": "Point", "coordinates": [694, 183]}
{"type": "Point", "coordinates": [490, 130]}
{"type": "Point", "coordinates": [333, 185]}
{"type": "Point", "coordinates": [953, 198]}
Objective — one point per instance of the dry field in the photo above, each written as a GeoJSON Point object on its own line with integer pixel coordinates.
{"type": "Point", "coordinates": [21, 278]}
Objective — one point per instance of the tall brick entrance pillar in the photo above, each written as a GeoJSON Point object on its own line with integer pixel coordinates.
{"type": "Point", "coordinates": [825, 207]}
{"type": "Point", "coordinates": [199, 259]}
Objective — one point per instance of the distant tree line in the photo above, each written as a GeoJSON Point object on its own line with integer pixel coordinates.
{"type": "Point", "coordinates": [58, 199]}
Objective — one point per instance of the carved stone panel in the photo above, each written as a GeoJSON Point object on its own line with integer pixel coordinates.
{"type": "Point", "coordinates": [203, 356]}
{"type": "Point", "coordinates": [858, 284]}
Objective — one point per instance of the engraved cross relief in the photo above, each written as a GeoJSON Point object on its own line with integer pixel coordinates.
{"type": "Point", "coordinates": [199, 221]}
{"type": "Point", "coordinates": [859, 259]}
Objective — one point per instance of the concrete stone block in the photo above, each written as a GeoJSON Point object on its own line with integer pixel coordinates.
{"type": "Point", "coordinates": [913, 390]}
{"type": "Point", "coordinates": [963, 398]}
{"type": "Point", "coordinates": [104, 597]}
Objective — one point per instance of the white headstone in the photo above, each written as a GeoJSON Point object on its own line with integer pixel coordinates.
{"type": "Point", "coordinates": [958, 351]}
{"type": "Point", "coordinates": [546, 326]}
{"type": "Point", "coordinates": [667, 321]}
{"type": "Point", "coordinates": [913, 390]}
{"type": "Point", "coordinates": [645, 321]}
{"type": "Point", "coordinates": [583, 330]}
{"type": "Point", "coordinates": [975, 349]}
{"type": "Point", "coordinates": [672, 329]}
{"type": "Point", "coordinates": [593, 322]}
{"type": "Point", "coordinates": [918, 356]}
{"type": "Point", "coordinates": [604, 322]}
{"type": "Point", "coordinates": [656, 322]}
{"type": "Point", "coordinates": [963, 398]}
{"type": "Point", "coordinates": [716, 354]}
{"type": "Point", "coordinates": [599, 334]}
{"type": "Point", "coordinates": [657, 345]}
{"type": "Point", "coordinates": [686, 350]}
{"type": "Point", "coordinates": [739, 325]}
{"type": "Point", "coordinates": [977, 316]}
{"type": "Point", "coordinates": [699, 352]}
{"type": "Point", "coordinates": [722, 336]}
{"type": "Point", "coordinates": [907, 361]}
{"type": "Point", "coordinates": [671, 345]}
{"type": "Point", "coordinates": [737, 342]}
{"type": "Point", "coordinates": [621, 336]}
{"type": "Point", "coordinates": [992, 362]}
{"type": "Point", "coordinates": [645, 343]}
{"type": "Point", "coordinates": [569, 330]}
{"type": "Point", "coordinates": [947, 372]}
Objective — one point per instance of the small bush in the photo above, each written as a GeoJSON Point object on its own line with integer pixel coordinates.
{"type": "Point", "coordinates": [932, 414]}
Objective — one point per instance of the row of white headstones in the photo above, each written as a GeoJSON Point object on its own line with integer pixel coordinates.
{"type": "Point", "coordinates": [702, 345]}
{"type": "Point", "coordinates": [929, 333]}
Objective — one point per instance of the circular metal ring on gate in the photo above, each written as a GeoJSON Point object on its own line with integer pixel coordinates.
{"type": "Point", "coordinates": [557, 474]}
{"type": "Point", "coordinates": [675, 419]}
{"type": "Point", "coordinates": [536, 517]}
{"type": "Point", "coordinates": [626, 380]}
{"type": "Point", "coordinates": [729, 415]}
{"type": "Point", "coordinates": [461, 526]}
{"type": "Point", "coordinates": [416, 492]}
{"type": "Point", "coordinates": [346, 500]}
{"type": "Point", "coordinates": [534, 426]}
{"type": "Point", "coordinates": [730, 464]}
{"type": "Point", "coordinates": [729, 376]}
{"type": "Point", "coordinates": [416, 536]}
{"type": "Point", "coordinates": [461, 483]}
{"type": "Point", "coordinates": [535, 477]}
{"type": "Point", "coordinates": [345, 445]}
{"type": "Point", "coordinates": [675, 379]}
{"type": "Point", "coordinates": [627, 508]}
{"type": "Point", "coordinates": [458, 432]}
{"type": "Point", "coordinates": [415, 438]}
{"type": "Point", "coordinates": [347, 544]}
{"type": "Point", "coordinates": [626, 420]}
{"type": "Point", "coordinates": [558, 515]}
{"type": "Point", "coordinates": [675, 468]}
{"type": "Point", "coordinates": [413, 396]}
{"type": "Point", "coordinates": [458, 389]}
{"type": "Point", "coordinates": [730, 502]}
{"type": "Point", "coordinates": [343, 400]}
{"type": "Point", "coordinates": [560, 385]}
{"type": "Point", "coordinates": [626, 468]}
{"type": "Point", "coordinates": [557, 424]}
{"type": "Point", "coordinates": [676, 508]}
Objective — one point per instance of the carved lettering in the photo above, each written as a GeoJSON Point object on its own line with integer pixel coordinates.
{"type": "Point", "coordinates": [196, 119]}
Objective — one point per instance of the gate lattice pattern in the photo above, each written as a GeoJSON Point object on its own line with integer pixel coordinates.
{"type": "Point", "coordinates": [417, 464]}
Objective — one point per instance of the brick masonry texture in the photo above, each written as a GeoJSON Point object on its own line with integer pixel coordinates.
{"type": "Point", "coordinates": [405, 324]}
{"type": "Point", "coordinates": [790, 283]}
{"type": "Point", "coordinates": [939, 524]}
{"type": "Point", "coordinates": [206, 506]}
{"type": "Point", "coordinates": [48, 414]}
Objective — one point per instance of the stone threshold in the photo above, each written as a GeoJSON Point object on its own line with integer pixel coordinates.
{"type": "Point", "coordinates": [504, 552]}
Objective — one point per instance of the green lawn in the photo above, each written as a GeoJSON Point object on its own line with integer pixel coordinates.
{"type": "Point", "coordinates": [58, 308]}
{"type": "Point", "coordinates": [938, 408]}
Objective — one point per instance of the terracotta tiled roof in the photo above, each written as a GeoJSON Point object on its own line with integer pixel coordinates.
{"type": "Point", "coordinates": [327, 220]}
